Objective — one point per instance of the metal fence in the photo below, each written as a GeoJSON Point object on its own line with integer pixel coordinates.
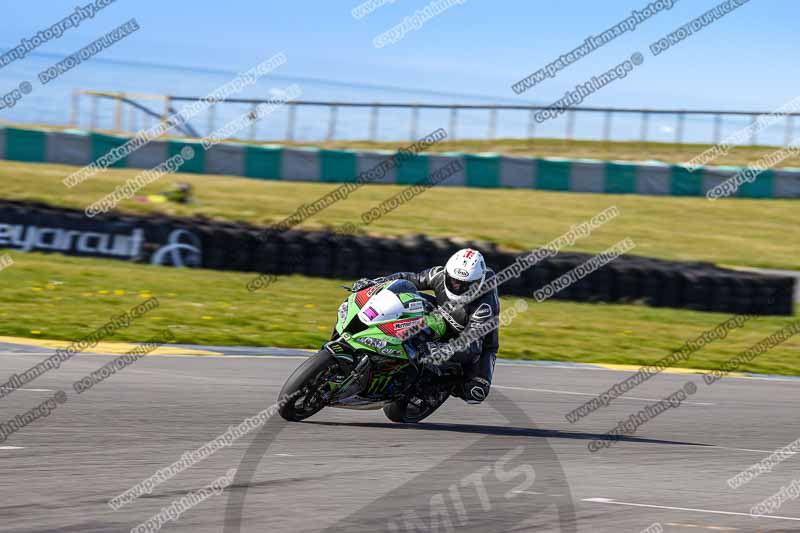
{"type": "Point", "coordinates": [132, 112]}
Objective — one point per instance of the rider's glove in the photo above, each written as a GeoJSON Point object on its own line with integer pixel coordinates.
{"type": "Point", "coordinates": [363, 283]}
{"type": "Point", "coordinates": [436, 353]}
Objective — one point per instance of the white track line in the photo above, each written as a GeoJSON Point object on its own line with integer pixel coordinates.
{"type": "Point", "coordinates": [36, 390]}
{"type": "Point", "coordinates": [698, 372]}
{"type": "Point", "coordinates": [743, 449]}
{"type": "Point", "coordinates": [242, 356]}
{"type": "Point", "coordinates": [709, 511]}
{"type": "Point", "coordinates": [507, 362]}
{"type": "Point", "coordinates": [635, 398]}
{"type": "Point", "coordinates": [713, 528]}
{"type": "Point", "coordinates": [11, 447]}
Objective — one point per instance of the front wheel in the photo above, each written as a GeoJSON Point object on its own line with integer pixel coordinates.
{"type": "Point", "coordinates": [414, 409]}
{"type": "Point", "coordinates": [301, 395]}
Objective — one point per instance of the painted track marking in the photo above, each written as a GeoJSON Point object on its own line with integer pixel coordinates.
{"type": "Point", "coordinates": [634, 398]}
{"type": "Point", "coordinates": [713, 528]}
{"type": "Point", "coordinates": [609, 501]}
{"type": "Point", "coordinates": [743, 449]}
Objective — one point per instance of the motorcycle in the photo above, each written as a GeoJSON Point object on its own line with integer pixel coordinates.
{"type": "Point", "coordinates": [372, 362]}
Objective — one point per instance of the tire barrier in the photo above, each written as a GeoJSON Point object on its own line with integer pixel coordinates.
{"type": "Point", "coordinates": [217, 245]}
{"type": "Point", "coordinates": [79, 148]}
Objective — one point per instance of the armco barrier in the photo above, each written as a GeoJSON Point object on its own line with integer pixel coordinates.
{"type": "Point", "coordinates": [200, 242]}
{"type": "Point", "coordinates": [77, 147]}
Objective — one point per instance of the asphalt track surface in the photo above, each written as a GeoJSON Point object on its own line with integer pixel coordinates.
{"type": "Point", "coordinates": [355, 471]}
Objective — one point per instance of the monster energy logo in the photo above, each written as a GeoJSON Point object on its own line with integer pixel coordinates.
{"type": "Point", "coordinates": [379, 383]}
{"type": "Point", "coordinates": [335, 347]}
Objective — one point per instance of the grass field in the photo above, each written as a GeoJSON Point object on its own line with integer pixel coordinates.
{"type": "Point", "coordinates": [56, 297]}
{"type": "Point", "coordinates": [756, 233]}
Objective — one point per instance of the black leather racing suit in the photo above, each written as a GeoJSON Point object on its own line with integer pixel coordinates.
{"type": "Point", "coordinates": [479, 358]}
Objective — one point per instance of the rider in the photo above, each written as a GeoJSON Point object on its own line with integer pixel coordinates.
{"type": "Point", "coordinates": [464, 272]}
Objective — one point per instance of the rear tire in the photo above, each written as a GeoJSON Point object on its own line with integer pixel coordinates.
{"type": "Point", "coordinates": [400, 412]}
{"type": "Point", "coordinates": [299, 397]}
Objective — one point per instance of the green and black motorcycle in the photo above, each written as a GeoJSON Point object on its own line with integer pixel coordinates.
{"type": "Point", "coordinates": [372, 362]}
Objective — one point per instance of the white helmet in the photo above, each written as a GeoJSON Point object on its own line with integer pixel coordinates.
{"type": "Point", "coordinates": [464, 271]}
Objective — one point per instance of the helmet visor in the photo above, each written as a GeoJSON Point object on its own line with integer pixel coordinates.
{"type": "Point", "coordinates": [456, 286]}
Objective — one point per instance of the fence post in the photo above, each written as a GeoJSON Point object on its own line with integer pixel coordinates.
{"type": "Point", "coordinates": [373, 123]}
{"type": "Point", "coordinates": [532, 123]}
{"type": "Point", "coordinates": [531, 126]}
{"type": "Point", "coordinates": [754, 133]}
{"type": "Point", "coordinates": [93, 119]}
{"type": "Point", "coordinates": [679, 129]}
{"type": "Point", "coordinates": [789, 133]}
{"type": "Point", "coordinates": [492, 122]}
{"type": "Point", "coordinates": [717, 128]}
{"type": "Point", "coordinates": [414, 120]}
{"type": "Point", "coordinates": [76, 106]}
{"type": "Point", "coordinates": [332, 124]}
{"type": "Point", "coordinates": [253, 121]}
{"type": "Point", "coordinates": [645, 124]}
{"type": "Point", "coordinates": [453, 122]}
{"type": "Point", "coordinates": [571, 124]}
{"type": "Point", "coordinates": [118, 112]}
{"type": "Point", "coordinates": [167, 107]}
{"type": "Point", "coordinates": [212, 112]}
{"type": "Point", "coordinates": [132, 119]}
{"type": "Point", "coordinates": [607, 127]}
{"type": "Point", "coordinates": [290, 123]}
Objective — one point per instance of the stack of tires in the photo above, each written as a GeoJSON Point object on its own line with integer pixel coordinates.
{"type": "Point", "coordinates": [243, 247]}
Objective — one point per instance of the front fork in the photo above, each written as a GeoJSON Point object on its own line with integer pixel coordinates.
{"type": "Point", "coordinates": [356, 380]}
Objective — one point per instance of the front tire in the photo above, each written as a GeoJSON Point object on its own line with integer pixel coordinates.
{"type": "Point", "coordinates": [300, 396]}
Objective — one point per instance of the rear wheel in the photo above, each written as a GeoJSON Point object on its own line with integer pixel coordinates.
{"type": "Point", "coordinates": [415, 409]}
{"type": "Point", "coordinates": [301, 395]}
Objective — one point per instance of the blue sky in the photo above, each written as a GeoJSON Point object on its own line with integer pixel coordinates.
{"type": "Point", "coordinates": [747, 60]}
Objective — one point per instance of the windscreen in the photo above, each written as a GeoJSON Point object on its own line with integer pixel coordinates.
{"type": "Point", "coordinates": [401, 286]}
